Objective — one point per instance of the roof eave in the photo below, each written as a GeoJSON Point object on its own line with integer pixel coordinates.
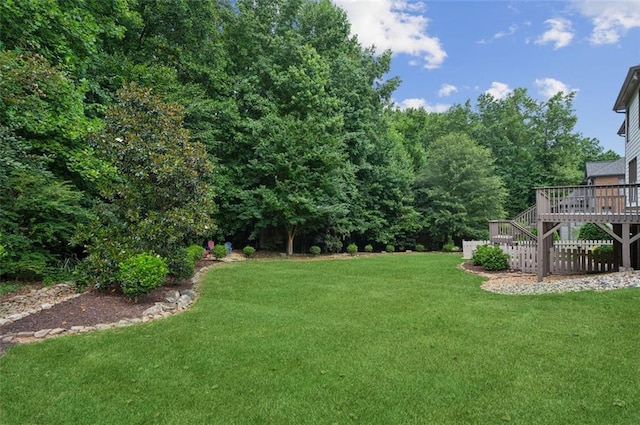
{"type": "Point", "coordinates": [627, 88]}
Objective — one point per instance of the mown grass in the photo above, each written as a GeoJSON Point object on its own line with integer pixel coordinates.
{"type": "Point", "coordinates": [393, 339]}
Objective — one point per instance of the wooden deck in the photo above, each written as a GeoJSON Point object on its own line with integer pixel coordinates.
{"type": "Point", "coordinates": [589, 204]}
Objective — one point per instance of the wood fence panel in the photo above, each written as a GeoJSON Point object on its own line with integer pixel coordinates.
{"type": "Point", "coordinates": [567, 257]}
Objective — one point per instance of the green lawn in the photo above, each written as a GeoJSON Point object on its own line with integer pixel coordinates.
{"type": "Point", "coordinates": [390, 339]}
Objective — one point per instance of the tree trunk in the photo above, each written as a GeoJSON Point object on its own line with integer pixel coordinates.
{"type": "Point", "coordinates": [291, 233]}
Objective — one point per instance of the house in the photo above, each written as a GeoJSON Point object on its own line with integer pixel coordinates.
{"type": "Point", "coordinates": [605, 199]}
{"type": "Point", "coordinates": [606, 173]}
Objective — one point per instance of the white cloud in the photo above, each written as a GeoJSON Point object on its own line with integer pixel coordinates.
{"type": "Point", "coordinates": [610, 19]}
{"type": "Point", "coordinates": [399, 25]}
{"type": "Point", "coordinates": [512, 30]}
{"type": "Point", "coordinates": [549, 87]}
{"type": "Point", "coordinates": [560, 33]}
{"type": "Point", "coordinates": [417, 103]}
{"type": "Point", "coordinates": [501, 34]}
{"type": "Point", "coordinates": [447, 90]}
{"type": "Point", "coordinates": [499, 90]}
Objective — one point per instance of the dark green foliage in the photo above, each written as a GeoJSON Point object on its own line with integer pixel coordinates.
{"type": "Point", "coordinates": [390, 248]}
{"type": "Point", "coordinates": [41, 155]}
{"type": "Point", "coordinates": [100, 267]}
{"type": "Point", "coordinates": [219, 251]}
{"type": "Point", "coordinates": [61, 271]}
{"type": "Point", "coordinates": [458, 189]}
{"type": "Point", "coordinates": [420, 248]}
{"type": "Point", "coordinates": [315, 250]}
{"type": "Point", "coordinates": [352, 249]}
{"type": "Point", "coordinates": [592, 232]}
{"type": "Point", "coordinates": [450, 247]}
{"type": "Point", "coordinates": [3, 250]}
{"type": "Point", "coordinates": [603, 248]}
{"type": "Point", "coordinates": [141, 274]}
{"type": "Point", "coordinates": [491, 258]}
{"type": "Point", "coordinates": [368, 248]}
{"type": "Point", "coordinates": [181, 265]}
{"type": "Point", "coordinates": [248, 251]}
{"type": "Point", "coordinates": [158, 197]}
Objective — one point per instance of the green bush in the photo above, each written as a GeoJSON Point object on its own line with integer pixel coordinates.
{"type": "Point", "coordinates": [603, 248]}
{"type": "Point", "coordinates": [420, 247]}
{"type": "Point", "coordinates": [315, 250]}
{"type": "Point", "coordinates": [591, 232]}
{"type": "Point", "coordinates": [352, 249]}
{"type": "Point", "coordinates": [480, 254]}
{"type": "Point", "coordinates": [181, 265]}
{"type": "Point", "coordinates": [368, 248]}
{"type": "Point", "coordinates": [219, 251]}
{"type": "Point", "coordinates": [390, 248]}
{"type": "Point", "coordinates": [141, 274]}
{"type": "Point", "coordinates": [491, 258]}
{"type": "Point", "coordinates": [450, 247]}
{"type": "Point", "coordinates": [61, 271]}
{"type": "Point", "coordinates": [195, 252]}
{"type": "Point", "coordinates": [248, 251]}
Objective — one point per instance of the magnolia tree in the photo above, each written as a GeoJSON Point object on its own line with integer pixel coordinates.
{"type": "Point", "coordinates": [157, 197]}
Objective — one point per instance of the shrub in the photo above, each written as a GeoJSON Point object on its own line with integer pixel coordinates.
{"type": "Point", "coordinates": [368, 248]}
{"type": "Point", "coordinates": [491, 258]}
{"type": "Point", "coordinates": [181, 265]}
{"type": "Point", "coordinates": [420, 247]}
{"type": "Point", "coordinates": [390, 248]}
{"type": "Point", "coordinates": [352, 249]}
{"type": "Point", "coordinates": [195, 252]}
{"type": "Point", "coordinates": [480, 254]}
{"type": "Point", "coordinates": [314, 250]}
{"type": "Point", "coordinates": [219, 251]}
{"type": "Point", "coordinates": [62, 271]}
{"type": "Point", "coordinates": [248, 251]}
{"type": "Point", "coordinates": [333, 244]}
{"type": "Point", "coordinates": [592, 232]}
{"type": "Point", "coordinates": [450, 247]}
{"type": "Point", "coordinates": [603, 248]}
{"type": "Point", "coordinates": [141, 274]}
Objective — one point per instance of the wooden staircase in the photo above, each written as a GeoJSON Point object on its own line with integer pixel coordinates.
{"type": "Point", "coordinates": [519, 229]}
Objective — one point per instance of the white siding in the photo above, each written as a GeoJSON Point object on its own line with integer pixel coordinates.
{"type": "Point", "coordinates": [632, 148]}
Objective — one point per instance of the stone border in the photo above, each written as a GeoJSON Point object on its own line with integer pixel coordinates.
{"type": "Point", "coordinates": [49, 292]}
{"type": "Point", "coordinates": [174, 302]}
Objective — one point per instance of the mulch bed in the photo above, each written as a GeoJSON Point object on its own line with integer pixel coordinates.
{"type": "Point", "coordinates": [468, 266]}
{"type": "Point", "coordinates": [91, 308]}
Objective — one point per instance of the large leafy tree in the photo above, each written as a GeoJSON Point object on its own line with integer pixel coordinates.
{"type": "Point", "coordinates": [45, 162]}
{"type": "Point", "coordinates": [458, 190]}
{"type": "Point", "coordinates": [157, 198]}
{"type": "Point", "coordinates": [533, 142]}
{"type": "Point", "coordinates": [283, 159]}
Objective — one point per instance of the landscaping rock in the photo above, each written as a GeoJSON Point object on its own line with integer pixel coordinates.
{"type": "Point", "coordinates": [172, 296]}
{"type": "Point", "coordinates": [42, 333]}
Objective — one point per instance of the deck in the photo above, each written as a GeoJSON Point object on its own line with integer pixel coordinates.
{"type": "Point", "coordinates": [613, 204]}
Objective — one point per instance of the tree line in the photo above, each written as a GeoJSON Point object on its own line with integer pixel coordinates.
{"type": "Point", "coordinates": [129, 126]}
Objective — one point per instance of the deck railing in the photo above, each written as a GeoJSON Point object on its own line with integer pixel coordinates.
{"type": "Point", "coordinates": [506, 231]}
{"type": "Point", "coordinates": [603, 203]}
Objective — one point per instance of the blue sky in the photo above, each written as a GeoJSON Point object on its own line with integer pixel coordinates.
{"type": "Point", "coordinates": [446, 52]}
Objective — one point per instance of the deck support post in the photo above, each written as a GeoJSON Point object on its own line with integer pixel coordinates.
{"type": "Point", "coordinates": [626, 246]}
